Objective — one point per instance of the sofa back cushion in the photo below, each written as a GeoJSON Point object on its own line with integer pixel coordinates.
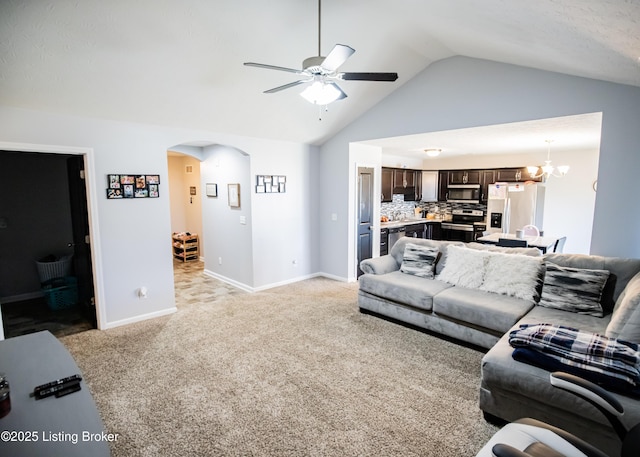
{"type": "Point", "coordinates": [621, 271]}
{"type": "Point", "coordinates": [625, 322]}
{"type": "Point", "coordinates": [533, 252]}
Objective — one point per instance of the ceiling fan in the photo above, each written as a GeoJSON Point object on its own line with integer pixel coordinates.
{"type": "Point", "coordinates": [322, 73]}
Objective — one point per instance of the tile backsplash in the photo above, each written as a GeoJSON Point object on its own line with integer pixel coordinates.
{"type": "Point", "coordinates": [399, 209]}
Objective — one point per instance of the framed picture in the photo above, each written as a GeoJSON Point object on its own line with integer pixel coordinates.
{"type": "Point", "coordinates": [133, 186]}
{"type": "Point", "coordinates": [260, 189]}
{"type": "Point", "coordinates": [211, 189]}
{"type": "Point", "coordinates": [114, 181]}
{"type": "Point", "coordinates": [234, 195]}
{"type": "Point", "coordinates": [270, 184]}
{"type": "Point", "coordinates": [114, 193]}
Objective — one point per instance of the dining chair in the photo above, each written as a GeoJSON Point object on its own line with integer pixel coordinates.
{"type": "Point", "coordinates": [559, 244]}
{"type": "Point", "coordinates": [511, 243]}
{"type": "Point", "coordinates": [531, 230]}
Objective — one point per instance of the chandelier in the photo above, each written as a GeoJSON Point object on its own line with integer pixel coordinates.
{"type": "Point", "coordinates": [547, 168]}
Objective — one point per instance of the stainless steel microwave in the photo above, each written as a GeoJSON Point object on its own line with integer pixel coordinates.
{"type": "Point", "coordinates": [463, 193]}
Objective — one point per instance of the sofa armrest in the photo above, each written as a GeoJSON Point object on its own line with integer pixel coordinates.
{"type": "Point", "coordinates": [379, 265]}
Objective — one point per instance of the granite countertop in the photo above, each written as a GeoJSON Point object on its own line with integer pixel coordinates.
{"type": "Point", "coordinates": [400, 223]}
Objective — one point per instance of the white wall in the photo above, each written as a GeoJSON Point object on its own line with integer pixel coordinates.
{"type": "Point", "coordinates": [463, 92]}
{"type": "Point", "coordinates": [186, 209]}
{"type": "Point", "coordinates": [131, 242]}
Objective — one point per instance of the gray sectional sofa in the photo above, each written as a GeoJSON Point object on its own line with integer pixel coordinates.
{"type": "Point", "coordinates": [483, 313]}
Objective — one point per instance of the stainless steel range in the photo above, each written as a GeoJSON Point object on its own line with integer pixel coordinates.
{"type": "Point", "coordinates": [466, 225]}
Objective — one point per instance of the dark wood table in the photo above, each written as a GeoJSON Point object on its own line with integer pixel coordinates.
{"type": "Point", "coordinates": [65, 426]}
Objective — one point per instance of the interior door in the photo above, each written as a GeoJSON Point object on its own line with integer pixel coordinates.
{"type": "Point", "coordinates": [365, 215]}
{"type": "Point", "coordinates": [81, 242]}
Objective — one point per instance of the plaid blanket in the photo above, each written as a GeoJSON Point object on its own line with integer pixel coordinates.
{"type": "Point", "coordinates": [587, 354]}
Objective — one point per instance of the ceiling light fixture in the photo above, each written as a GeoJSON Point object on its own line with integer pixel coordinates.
{"type": "Point", "coordinates": [322, 93]}
{"type": "Point", "coordinates": [547, 168]}
{"type": "Point", "coordinates": [433, 152]}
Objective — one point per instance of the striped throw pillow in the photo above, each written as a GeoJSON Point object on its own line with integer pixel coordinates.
{"type": "Point", "coordinates": [419, 260]}
{"type": "Point", "coordinates": [576, 290]}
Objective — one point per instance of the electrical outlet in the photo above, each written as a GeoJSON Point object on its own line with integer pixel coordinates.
{"type": "Point", "coordinates": [219, 260]}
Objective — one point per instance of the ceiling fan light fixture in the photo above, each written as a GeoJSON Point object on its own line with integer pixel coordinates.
{"type": "Point", "coordinates": [321, 93]}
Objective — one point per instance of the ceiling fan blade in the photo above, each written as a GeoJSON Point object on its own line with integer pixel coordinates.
{"type": "Point", "coordinates": [338, 55]}
{"type": "Point", "coordinates": [342, 94]}
{"type": "Point", "coordinates": [273, 67]}
{"type": "Point", "coordinates": [286, 86]}
{"type": "Point", "coordinates": [368, 76]}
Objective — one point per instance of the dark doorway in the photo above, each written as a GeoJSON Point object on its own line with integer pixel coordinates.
{"type": "Point", "coordinates": [365, 215]}
{"type": "Point", "coordinates": [44, 215]}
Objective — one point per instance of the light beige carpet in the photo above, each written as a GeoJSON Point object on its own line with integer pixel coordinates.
{"type": "Point", "coordinates": [293, 371]}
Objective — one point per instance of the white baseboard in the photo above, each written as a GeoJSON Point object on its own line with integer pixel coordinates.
{"type": "Point", "coordinates": [247, 288]}
{"type": "Point", "coordinates": [142, 317]}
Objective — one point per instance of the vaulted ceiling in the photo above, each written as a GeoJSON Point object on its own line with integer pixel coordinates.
{"type": "Point", "coordinates": [180, 63]}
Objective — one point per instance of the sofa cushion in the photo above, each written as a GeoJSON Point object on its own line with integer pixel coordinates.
{"type": "Point", "coordinates": [402, 288]}
{"type": "Point", "coordinates": [464, 267]}
{"type": "Point", "coordinates": [625, 322]}
{"type": "Point", "coordinates": [419, 260]}
{"type": "Point", "coordinates": [480, 309]}
{"type": "Point", "coordinates": [577, 290]}
{"type": "Point", "coordinates": [622, 270]}
{"type": "Point", "coordinates": [513, 275]}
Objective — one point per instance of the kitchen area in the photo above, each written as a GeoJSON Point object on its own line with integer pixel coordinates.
{"type": "Point", "coordinates": [457, 205]}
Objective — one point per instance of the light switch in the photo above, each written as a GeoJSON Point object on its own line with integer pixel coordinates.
{"type": "Point", "coordinates": [243, 220]}
{"type": "Point", "coordinates": [334, 216]}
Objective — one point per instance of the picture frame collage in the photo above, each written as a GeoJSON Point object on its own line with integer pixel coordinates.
{"type": "Point", "coordinates": [271, 184]}
{"type": "Point", "coordinates": [132, 186]}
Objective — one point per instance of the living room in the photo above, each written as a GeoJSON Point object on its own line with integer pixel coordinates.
{"type": "Point", "coordinates": [313, 222]}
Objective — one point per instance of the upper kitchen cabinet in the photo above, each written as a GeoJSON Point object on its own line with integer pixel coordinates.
{"type": "Point", "coordinates": [514, 175]}
{"type": "Point", "coordinates": [387, 185]}
{"type": "Point", "coordinates": [443, 185]}
{"type": "Point", "coordinates": [404, 178]}
{"type": "Point", "coordinates": [486, 177]}
{"type": "Point", "coordinates": [464, 177]}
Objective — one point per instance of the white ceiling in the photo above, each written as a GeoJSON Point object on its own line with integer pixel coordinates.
{"type": "Point", "coordinates": [179, 63]}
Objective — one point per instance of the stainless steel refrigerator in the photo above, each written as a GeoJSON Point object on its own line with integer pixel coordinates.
{"type": "Point", "coordinates": [511, 206]}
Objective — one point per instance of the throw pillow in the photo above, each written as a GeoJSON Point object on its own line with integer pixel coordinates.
{"type": "Point", "coordinates": [464, 267]}
{"type": "Point", "coordinates": [419, 260]}
{"type": "Point", "coordinates": [513, 275]}
{"type": "Point", "coordinates": [577, 290]}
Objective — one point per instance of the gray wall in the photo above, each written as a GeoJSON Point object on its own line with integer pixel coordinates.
{"type": "Point", "coordinates": [462, 92]}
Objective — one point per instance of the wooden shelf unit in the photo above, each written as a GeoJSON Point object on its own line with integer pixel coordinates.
{"type": "Point", "coordinates": [185, 247]}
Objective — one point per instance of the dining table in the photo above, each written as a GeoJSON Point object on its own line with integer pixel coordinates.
{"type": "Point", "coordinates": [544, 243]}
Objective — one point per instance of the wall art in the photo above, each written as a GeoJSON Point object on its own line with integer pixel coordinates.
{"type": "Point", "coordinates": [271, 184]}
{"type": "Point", "coordinates": [133, 186]}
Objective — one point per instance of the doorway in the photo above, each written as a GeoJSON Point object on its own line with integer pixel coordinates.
{"type": "Point", "coordinates": [46, 277]}
{"type": "Point", "coordinates": [365, 215]}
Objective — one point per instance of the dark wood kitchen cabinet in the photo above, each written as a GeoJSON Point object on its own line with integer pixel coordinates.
{"type": "Point", "coordinates": [433, 231]}
{"type": "Point", "coordinates": [514, 175]}
{"type": "Point", "coordinates": [443, 185]}
{"type": "Point", "coordinates": [464, 177]}
{"type": "Point", "coordinates": [415, 231]}
{"type": "Point", "coordinates": [487, 177]}
{"type": "Point", "coordinates": [404, 178]}
{"type": "Point", "coordinates": [387, 185]}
